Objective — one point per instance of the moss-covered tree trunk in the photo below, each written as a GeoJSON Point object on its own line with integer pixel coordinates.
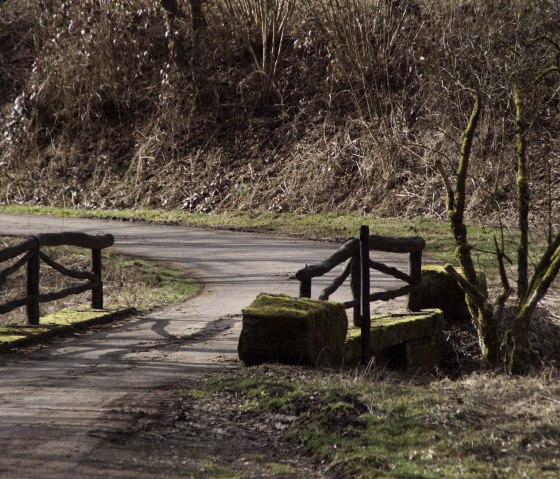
{"type": "Point", "coordinates": [516, 348]}
{"type": "Point", "coordinates": [519, 353]}
{"type": "Point", "coordinates": [481, 309]}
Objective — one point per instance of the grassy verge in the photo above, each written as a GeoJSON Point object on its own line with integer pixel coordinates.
{"type": "Point", "coordinates": [145, 284]}
{"type": "Point", "coordinates": [364, 427]}
{"type": "Point", "coordinates": [61, 323]}
{"type": "Point", "coordinates": [325, 226]}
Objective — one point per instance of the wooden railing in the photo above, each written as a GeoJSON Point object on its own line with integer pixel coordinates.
{"type": "Point", "coordinates": [31, 256]}
{"type": "Point", "coordinates": [357, 264]}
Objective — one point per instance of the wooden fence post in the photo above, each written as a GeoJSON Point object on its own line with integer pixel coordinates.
{"type": "Point", "coordinates": [305, 287]}
{"type": "Point", "coordinates": [97, 291]}
{"type": "Point", "coordinates": [32, 308]}
{"type": "Point", "coordinates": [355, 280]}
{"type": "Point", "coordinates": [415, 260]}
{"type": "Point", "coordinates": [364, 295]}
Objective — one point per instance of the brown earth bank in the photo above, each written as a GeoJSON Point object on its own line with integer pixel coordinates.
{"type": "Point", "coordinates": [335, 106]}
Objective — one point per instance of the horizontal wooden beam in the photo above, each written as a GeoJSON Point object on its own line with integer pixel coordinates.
{"type": "Point", "coordinates": [81, 240]}
{"type": "Point", "coordinates": [16, 303]}
{"type": "Point", "coordinates": [384, 295]}
{"type": "Point", "coordinates": [45, 298]}
{"type": "Point", "coordinates": [350, 248]}
{"type": "Point", "coordinates": [347, 250]}
{"type": "Point", "coordinates": [396, 245]}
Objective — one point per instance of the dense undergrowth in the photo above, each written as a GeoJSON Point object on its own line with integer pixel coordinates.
{"type": "Point", "coordinates": [302, 105]}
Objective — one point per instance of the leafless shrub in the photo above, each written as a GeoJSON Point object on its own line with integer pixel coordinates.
{"type": "Point", "coordinates": [86, 82]}
{"type": "Point", "coordinates": [261, 25]}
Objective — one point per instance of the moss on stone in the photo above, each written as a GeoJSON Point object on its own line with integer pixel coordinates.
{"type": "Point", "coordinates": [279, 328]}
{"type": "Point", "coordinates": [75, 316]}
{"type": "Point", "coordinates": [416, 336]}
{"type": "Point", "coordinates": [282, 306]}
{"type": "Point", "coordinates": [439, 290]}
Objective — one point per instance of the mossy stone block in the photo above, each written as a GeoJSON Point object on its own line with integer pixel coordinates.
{"type": "Point", "coordinates": [439, 290]}
{"type": "Point", "coordinates": [59, 323]}
{"type": "Point", "coordinates": [282, 329]}
{"type": "Point", "coordinates": [409, 340]}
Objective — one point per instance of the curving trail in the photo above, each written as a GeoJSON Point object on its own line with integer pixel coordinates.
{"type": "Point", "coordinates": [59, 402]}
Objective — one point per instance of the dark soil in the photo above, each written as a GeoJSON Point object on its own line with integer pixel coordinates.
{"type": "Point", "coordinates": [176, 434]}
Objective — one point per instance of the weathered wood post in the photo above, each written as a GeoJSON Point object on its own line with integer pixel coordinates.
{"type": "Point", "coordinates": [415, 263]}
{"type": "Point", "coordinates": [355, 286]}
{"type": "Point", "coordinates": [364, 295]}
{"type": "Point", "coordinates": [305, 287]}
{"type": "Point", "coordinates": [97, 291]}
{"type": "Point", "coordinates": [33, 264]}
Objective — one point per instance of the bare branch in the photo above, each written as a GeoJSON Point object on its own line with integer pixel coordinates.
{"type": "Point", "coordinates": [448, 186]}
{"type": "Point", "coordinates": [503, 275]}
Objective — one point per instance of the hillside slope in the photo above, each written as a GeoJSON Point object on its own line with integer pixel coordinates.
{"type": "Point", "coordinates": [295, 105]}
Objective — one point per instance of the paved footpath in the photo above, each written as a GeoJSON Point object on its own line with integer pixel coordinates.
{"type": "Point", "coordinates": [58, 403]}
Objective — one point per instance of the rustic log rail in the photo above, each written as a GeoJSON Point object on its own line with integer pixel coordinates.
{"type": "Point", "coordinates": [355, 254]}
{"type": "Point", "coordinates": [30, 248]}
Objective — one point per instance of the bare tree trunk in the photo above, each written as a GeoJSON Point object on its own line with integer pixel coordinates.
{"type": "Point", "coordinates": [198, 61]}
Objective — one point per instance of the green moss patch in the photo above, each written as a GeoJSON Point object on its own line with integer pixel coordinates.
{"type": "Point", "coordinates": [415, 338]}
{"type": "Point", "coordinates": [301, 312]}
{"type": "Point", "coordinates": [56, 324]}
{"type": "Point", "coordinates": [365, 426]}
{"type": "Point", "coordinates": [439, 243]}
{"type": "Point", "coordinates": [277, 327]}
{"type": "Point", "coordinates": [439, 290]}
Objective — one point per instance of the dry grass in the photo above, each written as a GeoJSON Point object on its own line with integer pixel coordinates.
{"type": "Point", "coordinates": [461, 355]}
{"type": "Point", "coordinates": [545, 331]}
{"type": "Point", "coordinates": [390, 425]}
{"type": "Point", "coordinates": [312, 114]}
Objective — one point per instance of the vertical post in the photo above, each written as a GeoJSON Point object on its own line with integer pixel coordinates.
{"type": "Point", "coordinates": [32, 308]}
{"type": "Point", "coordinates": [305, 287]}
{"type": "Point", "coordinates": [97, 291]}
{"type": "Point", "coordinates": [415, 263]}
{"type": "Point", "coordinates": [355, 279]}
{"type": "Point", "coordinates": [364, 295]}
